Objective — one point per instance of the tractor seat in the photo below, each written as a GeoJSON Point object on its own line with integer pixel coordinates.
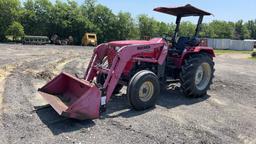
{"type": "Point", "coordinates": [180, 45]}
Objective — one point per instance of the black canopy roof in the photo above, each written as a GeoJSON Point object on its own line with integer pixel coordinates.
{"type": "Point", "coordinates": [187, 10]}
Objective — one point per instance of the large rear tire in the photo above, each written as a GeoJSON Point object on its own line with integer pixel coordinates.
{"type": "Point", "coordinates": [196, 75]}
{"type": "Point", "coordinates": [143, 90]}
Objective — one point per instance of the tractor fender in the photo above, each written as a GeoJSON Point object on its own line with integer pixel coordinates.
{"type": "Point", "coordinates": [208, 50]}
{"type": "Point", "coordinates": [194, 50]}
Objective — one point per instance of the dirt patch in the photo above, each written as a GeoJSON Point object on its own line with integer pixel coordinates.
{"type": "Point", "coordinates": [1, 92]}
{"type": "Point", "coordinates": [45, 75]}
{"type": "Point", "coordinates": [4, 72]}
{"type": "Point", "coordinates": [235, 56]}
{"type": "Point", "coordinates": [61, 64]}
{"type": "Point", "coordinates": [37, 100]}
{"type": "Point", "coordinates": [51, 69]}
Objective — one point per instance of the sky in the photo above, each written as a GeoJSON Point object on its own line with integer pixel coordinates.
{"type": "Point", "coordinates": [228, 10]}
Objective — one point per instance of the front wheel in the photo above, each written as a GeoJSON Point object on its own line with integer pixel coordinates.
{"type": "Point", "coordinates": [143, 90]}
{"type": "Point", "coordinates": [196, 75]}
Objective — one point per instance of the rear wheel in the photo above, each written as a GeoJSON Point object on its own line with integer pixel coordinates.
{"type": "Point", "coordinates": [196, 75]}
{"type": "Point", "coordinates": [143, 90]}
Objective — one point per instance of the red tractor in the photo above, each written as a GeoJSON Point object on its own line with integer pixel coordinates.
{"type": "Point", "coordinates": [142, 66]}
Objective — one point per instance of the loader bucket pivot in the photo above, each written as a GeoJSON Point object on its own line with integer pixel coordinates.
{"type": "Point", "coordinates": [72, 97]}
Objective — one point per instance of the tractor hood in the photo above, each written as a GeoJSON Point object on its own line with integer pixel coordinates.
{"type": "Point", "coordinates": [135, 42]}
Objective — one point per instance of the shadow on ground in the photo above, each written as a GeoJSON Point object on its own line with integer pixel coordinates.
{"type": "Point", "coordinates": [169, 98]}
{"type": "Point", "coordinates": [173, 97]}
{"type": "Point", "coordinates": [58, 124]}
{"type": "Point", "coordinates": [118, 106]}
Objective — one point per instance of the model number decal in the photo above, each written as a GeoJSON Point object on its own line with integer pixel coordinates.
{"type": "Point", "coordinates": [143, 47]}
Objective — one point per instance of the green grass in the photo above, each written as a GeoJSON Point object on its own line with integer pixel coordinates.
{"type": "Point", "coordinates": [252, 58]}
{"type": "Point", "coordinates": [220, 52]}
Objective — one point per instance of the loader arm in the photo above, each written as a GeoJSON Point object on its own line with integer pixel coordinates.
{"type": "Point", "coordinates": [124, 55]}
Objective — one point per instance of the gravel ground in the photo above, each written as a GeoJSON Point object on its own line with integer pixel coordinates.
{"type": "Point", "coordinates": [226, 115]}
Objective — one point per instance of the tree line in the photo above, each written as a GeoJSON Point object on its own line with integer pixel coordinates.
{"type": "Point", "coordinates": [42, 17]}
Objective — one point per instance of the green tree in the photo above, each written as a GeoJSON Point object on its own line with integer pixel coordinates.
{"type": "Point", "coordinates": [9, 12]}
{"type": "Point", "coordinates": [36, 17]}
{"type": "Point", "coordinates": [241, 31]}
{"type": "Point", "coordinates": [126, 26]}
{"type": "Point", "coordinates": [251, 26]}
{"type": "Point", "coordinates": [88, 8]}
{"type": "Point", "coordinates": [42, 17]}
{"type": "Point", "coordinates": [79, 24]}
{"type": "Point", "coordinates": [164, 28]}
{"type": "Point", "coordinates": [222, 29]}
{"type": "Point", "coordinates": [68, 20]}
{"type": "Point", "coordinates": [187, 29]}
{"type": "Point", "coordinates": [16, 30]}
{"type": "Point", "coordinates": [148, 26]}
{"type": "Point", "coordinates": [206, 31]}
{"type": "Point", "coordinates": [105, 22]}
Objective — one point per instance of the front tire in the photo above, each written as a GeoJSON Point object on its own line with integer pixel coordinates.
{"type": "Point", "coordinates": [143, 90]}
{"type": "Point", "coordinates": [197, 74]}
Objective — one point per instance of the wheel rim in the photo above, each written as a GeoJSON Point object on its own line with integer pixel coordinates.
{"type": "Point", "coordinates": [203, 76]}
{"type": "Point", "coordinates": [146, 91]}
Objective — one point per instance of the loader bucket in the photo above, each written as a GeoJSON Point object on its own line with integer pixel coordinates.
{"type": "Point", "coordinates": [72, 97]}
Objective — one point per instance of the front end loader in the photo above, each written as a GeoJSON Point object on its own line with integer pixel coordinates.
{"type": "Point", "coordinates": [143, 66]}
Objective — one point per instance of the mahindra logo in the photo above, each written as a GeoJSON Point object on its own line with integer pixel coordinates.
{"type": "Point", "coordinates": [143, 47]}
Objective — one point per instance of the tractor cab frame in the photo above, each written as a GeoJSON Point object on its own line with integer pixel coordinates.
{"type": "Point", "coordinates": [180, 12]}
